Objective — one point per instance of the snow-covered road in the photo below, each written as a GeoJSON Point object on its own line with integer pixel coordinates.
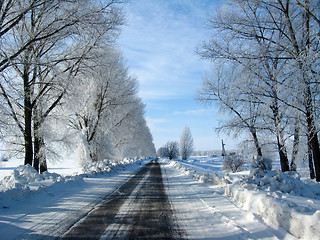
{"type": "Point", "coordinates": [205, 213]}
{"type": "Point", "coordinates": [139, 209]}
{"type": "Point", "coordinates": [176, 204]}
{"type": "Point", "coordinates": [48, 213]}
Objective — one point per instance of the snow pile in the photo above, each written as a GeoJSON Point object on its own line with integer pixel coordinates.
{"type": "Point", "coordinates": [289, 182]}
{"type": "Point", "coordinates": [97, 167]}
{"type": "Point", "coordinates": [17, 185]}
{"type": "Point", "coordinates": [263, 178]}
{"type": "Point", "coordinates": [26, 174]}
{"type": "Point", "coordinates": [25, 180]}
{"type": "Point", "coordinates": [201, 176]}
{"type": "Point", "coordinates": [107, 166]}
{"type": "Point", "coordinates": [280, 199]}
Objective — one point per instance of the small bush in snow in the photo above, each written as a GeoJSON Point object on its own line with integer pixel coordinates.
{"type": "Point", "coordinates": [260, 165]}
{"type": "Point", "coordinates": [233, 162]}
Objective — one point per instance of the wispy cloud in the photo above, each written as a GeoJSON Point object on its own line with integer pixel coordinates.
{"type": "Point", "coordinates": [158, 125]}
{"type": "Point", "coordinates": [160, 41]}
{"type": "Point", "coordinates": [156, 120]}
{"type": "Point", "coordinates": [194, 112]}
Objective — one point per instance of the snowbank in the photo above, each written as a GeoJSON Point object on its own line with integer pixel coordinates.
{"type": "Point", "coordinates": [202, 176]}
{"type": "Point", "coordinates": [280, 199]}
{"type": "Point", "coordinates": [106, 166]}
{"type": "Point", "coordinates": [25, 180]}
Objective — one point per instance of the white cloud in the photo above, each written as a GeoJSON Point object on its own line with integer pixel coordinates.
{"type": "Point", "coordinates": [156, 94]}
{"type": "Point", "coordinates": [194, 112]}
{"type": "Point", "coordinates": [157, 124]}
{"type": "Point", "coordinates": [160, 41]}
{"type": "Point", "coordinates": [156, 120]}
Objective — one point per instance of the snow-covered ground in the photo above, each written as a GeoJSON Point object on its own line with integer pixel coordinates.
{"type": "Point", "coordinates": [210, 202]}
{"type": "Point", "coordinates": [281, 200]}
{"type": "Point", "coordinates": [206, 213]}
{"type": "Point", "coordinates": [38, 207]}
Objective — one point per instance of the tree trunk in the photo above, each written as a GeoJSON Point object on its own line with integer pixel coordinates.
{"type": "Point", "coordinates": [37, 157]}
{"type": "Point", "coordinates": [36, 144]}
{"type": "Point", "coordinates": [295, 148]}
{"type": "Point", "coordinates": [40, 155]}
{"type": "Point", "coordinates": [28, 159]}
{"type": "Point", "coordinates": [310, 160]}
{"type": "Point", "coordinates": [27, 120]}
{"type": "Point", "coordinates": [284, 162]}
{"type": "Point", "coordinates": [43, 165]}
{"type": "Point", "coordinates": [316, 154]}
{"type": "Point", "coordinates": [256, 141]}
{"type": "Point", "coordinates": [40, 161]}
{"type": "Point", "coordinates": [312, 134]}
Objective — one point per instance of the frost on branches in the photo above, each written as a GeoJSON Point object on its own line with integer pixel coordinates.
{"type": "Point", "coordinates": [266, 55]}
{"type": "Point", "coordinates": [186, 143]}
{"type": "Point", "coordinates": [62, 81]}
{"type": "Point", "coordinates": [107, 114]}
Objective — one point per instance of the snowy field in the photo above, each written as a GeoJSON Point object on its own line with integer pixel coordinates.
{"type": "Point", "coordinates": [209, 201]}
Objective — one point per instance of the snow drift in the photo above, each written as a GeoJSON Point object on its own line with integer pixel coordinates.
{"type": "Point", "coordinates": [25, 180]}
{"type": "Point", "coordinates": [280, 199]}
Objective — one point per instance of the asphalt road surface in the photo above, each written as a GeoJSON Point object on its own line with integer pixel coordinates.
{"type": "Point", "coordinates": [139, 209]}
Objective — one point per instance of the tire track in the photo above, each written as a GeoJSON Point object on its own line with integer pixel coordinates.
{"type": "Point", "coordinates": [155, 218]}
{"type": "Point", "coordinates": [139, 209]}
{"type": "Point", "coordinates": [93, 225]}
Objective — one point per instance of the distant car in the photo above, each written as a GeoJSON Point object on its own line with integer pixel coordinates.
{"type": "Point", "coordinates": [4, 160]}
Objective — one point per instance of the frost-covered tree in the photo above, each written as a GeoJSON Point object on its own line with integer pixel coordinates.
{"type": "Point", "coordinates": [130, 134]}
{"type": "Point", "coordinates": [225, 90]}
{"type": "Point", "coordinates": [12, 13]}
{"type": "Point", "coordinates": [254, 73]}
{"type": "Point", "coordinates": [106, 112]}
{"type": "Point", "coordinates": [186, 143]}
{"type": "Point", "coordinates": [54, 39]}
{"type": "Point", "coordinates": [162, 152]}
{"type": "Point", "coordinates": [277, 47]}
{"type": "Point", "coordinates": [171, 149]}
{"type": "Point", "coordinates": [93, 100]}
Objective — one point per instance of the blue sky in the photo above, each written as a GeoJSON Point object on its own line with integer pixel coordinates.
{"type": "Point", "coordinates": [159, 42]}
